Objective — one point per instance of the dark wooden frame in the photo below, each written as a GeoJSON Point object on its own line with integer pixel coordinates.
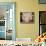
{"type": "Point", "coordinates": [32, 21]}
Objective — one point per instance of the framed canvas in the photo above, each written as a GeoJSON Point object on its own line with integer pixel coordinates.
{"type": "Point", "coordinates": [7, 20]}
{"type": "Point", "coordinates": [42, 1]}
{"type": "Point", "coordinates": [27, 17]}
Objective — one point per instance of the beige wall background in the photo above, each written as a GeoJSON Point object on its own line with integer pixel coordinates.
{"type": "Point", "coordinates": [27, 30]}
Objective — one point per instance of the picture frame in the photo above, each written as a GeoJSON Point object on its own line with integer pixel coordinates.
{"type": "Point", "coordinates": [27, 17]}
{"type": "Point", "coordinates": [42, 1]}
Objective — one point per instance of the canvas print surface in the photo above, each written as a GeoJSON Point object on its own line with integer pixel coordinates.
{"type": "Point", "coordinates": [27, 17]}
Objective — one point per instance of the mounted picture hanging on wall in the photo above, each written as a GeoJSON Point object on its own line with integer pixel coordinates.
{"type": "Point", "coordinates": [26, 17]}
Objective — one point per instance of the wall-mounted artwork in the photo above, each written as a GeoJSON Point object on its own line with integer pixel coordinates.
{"type": "Point", "coordinates": [26, 17]}
{"type": "Point", "coordinates": [42, 1]}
